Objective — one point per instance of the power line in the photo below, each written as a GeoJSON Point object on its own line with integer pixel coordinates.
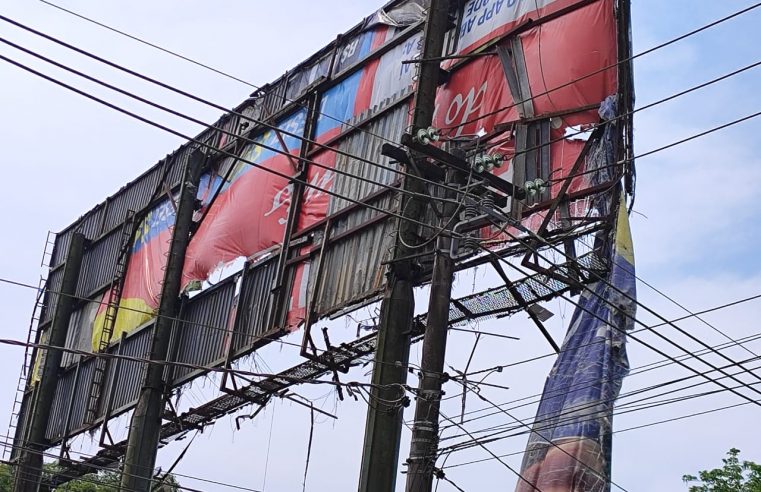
{"type": "Point", "coordinates": [117, 108]}
{"type": "Point", "coordinates": [645, 328]}
{"type": "Point", "coordinates": [186, 94]}
{"type": "Point", "coordinates": [210, 147]}
{"type": "Point", "coordinates": [228, 154]}
{"type": "Point", "coordinates": [152, 45]}
{"type": "Point", "coordinates": [651, 424]}
{"type": "Point", "coordinates": [627, 296]}
{"type": "Point", "coordinates": [630, 335]}
{"type": "Point", "coordinates": [212, 127]}
{"type": "Point", "coordinates": [658, 102]}
{"type": "Point", "coordinates": [205, 66]}
{"type": "Point", "coordinates": [217, 106]}
{"type": "Point", "coordinates": [494, 456]}
{"type": "Point", "coordinates": [555, 445]}
{"type": "Point", "coordinates": [572, 414]}
{"type": "Point", "coordinates": [638, 370]}
{"type": "Point", "coordinates": [626, 60]}
{"type": "Point", "coordinates": [682, 417]}
{"type": "Point", "coordinates": [673, 301]}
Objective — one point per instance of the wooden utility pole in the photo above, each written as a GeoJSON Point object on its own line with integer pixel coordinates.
{"type": "Point", "coordinates": [425, 428]}
{"type": "Point", "coordinates": [380, 456]}
{"type": "Point", "coordinates": [143, 440]}
{"type": "Point", "coordinates": [29, 471]}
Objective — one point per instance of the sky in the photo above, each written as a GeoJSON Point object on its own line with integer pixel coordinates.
{"type": "Point", "coordinates": [694, 224]}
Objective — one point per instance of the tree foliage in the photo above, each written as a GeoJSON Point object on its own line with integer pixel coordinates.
{"type": "Point", "coordinates": [734, 476]}
{"type": "Point", "coordinates": [105, 481]}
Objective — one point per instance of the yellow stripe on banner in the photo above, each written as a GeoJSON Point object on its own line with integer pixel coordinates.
{"type": "Point", "coordinates": [132, 314]}
{"type": "Point", "coordinates": [624, 244]}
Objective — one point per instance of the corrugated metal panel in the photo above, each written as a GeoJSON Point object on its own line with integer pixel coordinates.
{"type": "Point", "coordinates": [200, 337]}
{"type": "Point", "coordinates": [79, 334]}
{"type": "Point", "coordinates": [62, 241]}
{"type": "Point", "coordinates": [130, 374]}
{"type": "Point", "coordinates": [53, 286]}
{"type": "Point", "coordinates": [89, 225]}
{"type": "Point", "coordinates": [98, 263]}
{"type": "Point", "coordinates": [250, 109]}
{"type": "Point", "coordinates": [367, 145]}
{"type": "Point", "coordinates": [178, 160]}
{"type": "Point", "coordinates": [306, 74]}
{"type": "Point", "coordinates": [252, 305]}
{"type": "Point", "coordinates": [64, 393]}
{"type": "Point", "coordinates": [134, 197]}
{"type": "Point", "coordinates": [273, 96]}
{"type": "Point", "coordinates": [353, 269]}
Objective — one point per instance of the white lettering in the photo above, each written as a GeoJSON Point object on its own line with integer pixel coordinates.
{"type": "Point", "coordinates": [461, 109]}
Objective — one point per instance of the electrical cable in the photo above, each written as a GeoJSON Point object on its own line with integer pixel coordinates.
{"type": "Point", "coordinates": [547, 92]}
{"type": "Point", "coordinates": [208, 146]}
{"type": "Point", "coordinates": [205, 66]}
{"type": "Point", "coordinates": [572, 414]}
{"type": "Point", "coordinates": [634, 408]}
{"type": "Point", "coordinates": [663, 294]}
{"type": "Point", "coordinates": [651, 424]}
{"type": "Point", "coordinates": [217, 106]}
{"type": "Point", "coordinates": [249, 141]}
{"type": "Point", "coordinates": [517, 473]}
{"type": "Point", "coordinates": [634, 372]}
{"type": "Point", "coordinates": [204, 144]}
{"type": "Point", "coordinates": [626, 295]}
{"type": "Point", "coordinates": [630, 335]}
{"type": "Point", "coordinates": [131, 72]}
{"type": "Point", "coordinates": [682, 318]}
{"type": "Point", "coordinates": [626, 114]}
{"type": "Point", "coordinates": [555, 445]}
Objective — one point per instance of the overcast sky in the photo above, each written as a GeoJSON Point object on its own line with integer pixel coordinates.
{"type": "Point", "coordinates": [695, 228]}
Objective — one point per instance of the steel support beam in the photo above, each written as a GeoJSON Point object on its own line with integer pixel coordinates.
{"type": "Point", "coordinates": [145, 427]}
{"type": "Point", "coordinates": [29, 469]}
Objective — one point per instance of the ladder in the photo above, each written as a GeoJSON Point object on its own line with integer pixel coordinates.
{"type": "Point", "coordinates": [25, 377]}
{"type": "Point", "coordinates": [109, 322]}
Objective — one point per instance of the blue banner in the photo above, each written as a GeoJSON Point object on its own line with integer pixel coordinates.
{"type": "Point", "coordinates": [569, 449]}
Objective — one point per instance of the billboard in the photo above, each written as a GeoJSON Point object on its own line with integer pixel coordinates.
{"type": "Point", "coordinates": [314, 219]}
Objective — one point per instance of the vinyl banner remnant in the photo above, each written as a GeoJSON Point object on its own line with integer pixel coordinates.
{"type": "Point", "coordinates": [251, 211]}
{"type": "Point", "coordinates": [569, 449]}
{"type": "Point", "coordinates": [247, 216]}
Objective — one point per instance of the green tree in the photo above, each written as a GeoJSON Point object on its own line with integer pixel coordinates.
{"type": "Point", "coordinates": [105, 481]}
{"type": "Point", "coordinates": [734, 476]}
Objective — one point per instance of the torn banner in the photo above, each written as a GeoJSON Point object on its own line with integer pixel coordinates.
{"type": "Point", "coordinates": [569, 448]}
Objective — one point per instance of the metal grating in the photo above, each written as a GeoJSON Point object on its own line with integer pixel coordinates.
{"type": "Point", "coordinates": [345, 354]}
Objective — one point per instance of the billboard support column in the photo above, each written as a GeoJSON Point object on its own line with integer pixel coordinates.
{"type": "Point", "coordinates": [29, 469]}
{"type": "Point", "coordinates": [380, 454]}
{"type": "Point", "coordinates": [145, 427]}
